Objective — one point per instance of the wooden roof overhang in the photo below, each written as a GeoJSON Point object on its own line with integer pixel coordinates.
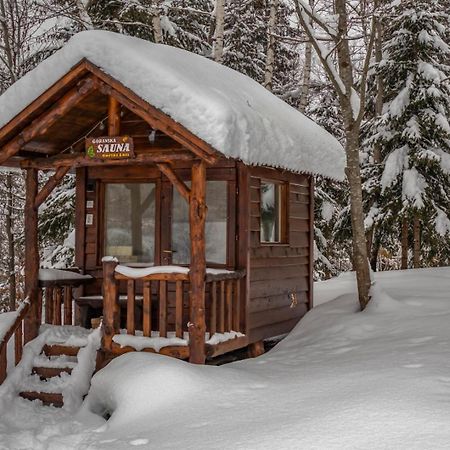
{"type": "Point", "coordinates": [49, 133]}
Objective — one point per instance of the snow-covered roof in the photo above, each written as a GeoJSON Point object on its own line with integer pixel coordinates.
{"type": "Point", "coordinates": [229, 111]}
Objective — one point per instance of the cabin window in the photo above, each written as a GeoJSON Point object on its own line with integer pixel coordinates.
{"type": "Point", "coordinates": [215, 227]}
{"type": "Point", "coordinates": [273, 220]}
{"type": "Point", "coordinates": [130, 222]}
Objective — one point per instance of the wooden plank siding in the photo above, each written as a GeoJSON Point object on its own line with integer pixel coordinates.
{"type": "Point", "coordinates": [279, 274]}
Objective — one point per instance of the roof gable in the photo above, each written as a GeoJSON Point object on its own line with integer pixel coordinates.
{"type": "Point", "coordinates": [218, 107]}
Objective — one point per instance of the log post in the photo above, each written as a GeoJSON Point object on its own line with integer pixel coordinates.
{"type": "Point", "coordinates": [33, 320]}
{"type": "Point", "coordinates": [197, 273]}
{"type": "Point", "coordinates": [113, 117]}
{"type": "Point", "coordinates": [111, 319]}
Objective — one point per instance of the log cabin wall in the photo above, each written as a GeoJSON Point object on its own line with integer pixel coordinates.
{"type": "Point", "coordinates": [90, 225]}
{"type": "Point", "coordinates": [280, 274]}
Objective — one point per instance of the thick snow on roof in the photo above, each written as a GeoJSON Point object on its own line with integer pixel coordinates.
{"type": "Point", "coordinates": [229, 111]}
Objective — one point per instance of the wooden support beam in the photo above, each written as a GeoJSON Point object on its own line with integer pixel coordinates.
{"type": "Point", "coordinates": [80, 160]}
{"type": "Point", "coordinates": [197, 273]}
{"type": "Point", "coordinates": [113, 117]}
{"type": "Point", "coordinates": [111, 309]}
{"type": "Point", "coordinates": [39, 126]}
{"type": "Point", "coordinates": [181, 187]}
{"type": "Point", "coordinates": [33, 320]}
{"type": "Point", "coordinates": [155, 118]}
{"type": "Point", "coordinates": [53, 181]}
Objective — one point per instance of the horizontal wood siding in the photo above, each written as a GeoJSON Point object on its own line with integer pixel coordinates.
{"type": "Point", "coordinates": [280, 274]}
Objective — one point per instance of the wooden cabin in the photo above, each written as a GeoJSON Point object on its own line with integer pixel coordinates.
{"type": "Point", "coordinates": [194, 198]}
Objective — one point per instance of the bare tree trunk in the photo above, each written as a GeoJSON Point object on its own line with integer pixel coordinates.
{"type": "Point", "coordinates": [156, 22]}
{"type": "Point", "coordinates": [307, 66]}
{"type": "Point", "coordinates": [6, 44]}
{"type": "Point", "coordinates": [270, 56]}
{"type": "Point", "coordinates": [353, 170]}
{"type": "Point", "coordinates": [404, 264]}
{"type": "Point", "coordinates": [416, 232]}
{"type": "Point", "coordinates": [9, 231]}
{"type": "Point", "coordinates": [219, 31]}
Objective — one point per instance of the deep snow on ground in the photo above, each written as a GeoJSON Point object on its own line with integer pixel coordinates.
{"type": "Point", "coordinates": [341, 380]}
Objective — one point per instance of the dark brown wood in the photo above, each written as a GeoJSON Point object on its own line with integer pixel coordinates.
{"type": "Point", "coordinates": [50, 372]}
{"type": "Point", "coordinates": [111, 309]}
{"type": "Point", "coordinates": [58, 350]}
{"type": "Point", "coordinates": [46, 120]}
{"type": "Point", "coordinates": [80, 208]}
{"type": "Point", "coordinates": [67, 305]}
{"type": "Point", "coordinates": [197, 273]}
{"type": "Point", "coordinates": [18, 343]}
{"type": "Point", "coordinates": [57, 297]}
{"type": "Point", "coordinates": [213, 309]}
{"type": "Point", "coordinates": [180, 352]}
{"type": "Point", "coordinates": [229, 305]}
{"type": "Point", "coordinates": [243, 242]}
{"type": "Point", "coordinates": [147, 309]}
{"type": "Point", "coordinates": [221, 325]}
{"type": "Point", "coordinates": [46, 398]}
{"type": "Point", "coordinates": [113, 117]}
{"type": "Point", "coordinates": [181, 187]}
{"type": "Point", "coordinates": [3, 363]}
{"type": "Point", "coordinates": [33, 321]}
{"type": "Point", "coordinates": [256, 349]}
{"type": "Point", "coordinates": [237, 306]}
{"type": "Point", "coordinates": [47, 99]}
{"type": "Point", "coordinates": [130, 307]}
{"type": "Point", "coordinates": [77, 160]}
{"type": "Point", "coordinates": [179, 310]}
{"type": "Point", "coordinates": [54, 180]}
{"type": "Point", "coordinates": [49, 305]}
{"type": "Point", "coordinates": [311, 244]}
{"type": "Point", "coordinates": [163, 308]}
{"type": "Point", "coordinates": [417, 246]}
{"type": "Point", "coordinates": [224, 347]}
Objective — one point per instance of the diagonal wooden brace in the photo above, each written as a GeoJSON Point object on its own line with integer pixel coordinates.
{"type": "Point", "coordinates": [40, 125]}
{"type": "Point", "coordinates": [181, 187]}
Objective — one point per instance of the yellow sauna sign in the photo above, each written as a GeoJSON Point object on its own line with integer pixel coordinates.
{"type": "Point", "coordinates": [114, 147]}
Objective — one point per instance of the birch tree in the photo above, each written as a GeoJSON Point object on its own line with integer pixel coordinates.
{"type": "Point", "coordinates": [270, 56]}
{"type": "Point", "coordinates": [219, 15]}
{"type": "Point", "coordinates": [341, 69]}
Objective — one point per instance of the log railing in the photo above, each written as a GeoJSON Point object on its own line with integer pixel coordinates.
{"type": "Point", "coordinates": [16, 330]}
{"type": "Point", "coordinates": [57, 297]}
{"type": "Point", "coordinates": [163, 303]}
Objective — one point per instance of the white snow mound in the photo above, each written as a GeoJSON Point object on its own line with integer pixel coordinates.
{"type": "Point", "coordinates": [228, 110]}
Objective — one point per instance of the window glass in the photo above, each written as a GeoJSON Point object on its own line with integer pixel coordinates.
{"type": "Point", "coordinates": [270, 212]}
{"type": "Point", "coordinates": [130, 222]}
{"type": "Point", "coordinates": [215, 227]}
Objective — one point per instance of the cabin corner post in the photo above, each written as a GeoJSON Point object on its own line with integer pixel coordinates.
{"type": "Point", "coordinates": [311, 244]}
{"type": "Point", "coordinates": [111, 318]}
{"type": "Point", "coordinates": [197, 273]}
{"type": "Point", "coordinates": [33, 319]}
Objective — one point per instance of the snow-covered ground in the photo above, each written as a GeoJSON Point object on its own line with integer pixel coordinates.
{"type": "Point", "coordinates": [341, 380]}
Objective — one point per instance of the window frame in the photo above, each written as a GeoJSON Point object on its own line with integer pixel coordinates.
{"type": "Point", "coordinates": [220, 174]}
{"type": "Point", "coordinates": [102, 234]}
{"type": "Point", "coordinates": [283, 187]}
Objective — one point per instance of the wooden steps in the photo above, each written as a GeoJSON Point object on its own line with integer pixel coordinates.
{"type": "Point", "coordinates": [47, 398]}
{"type": "Point", "coordinates": [49, 372]}
{"type": "Point", "coordinates": [57, 350]}
{"type": "Point", "coordinates": [50, 369]}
